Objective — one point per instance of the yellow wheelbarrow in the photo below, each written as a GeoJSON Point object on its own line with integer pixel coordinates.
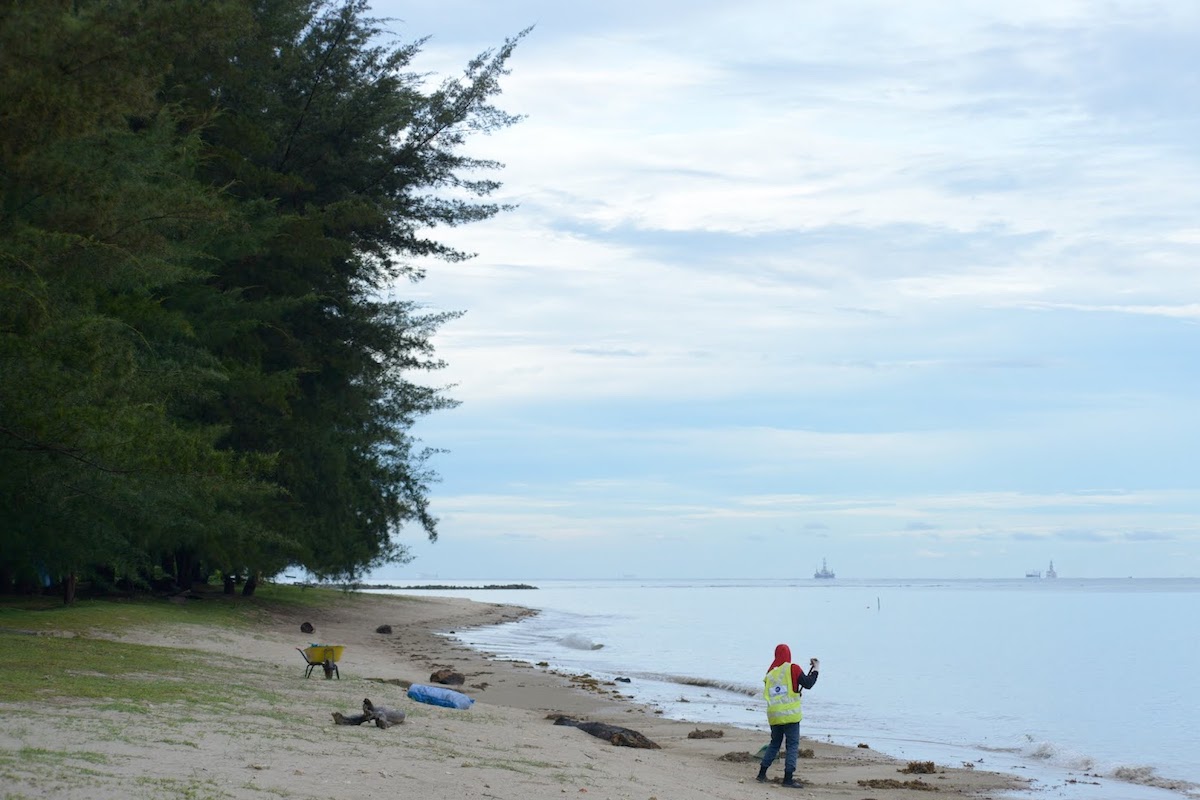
{"type": "Point", "coordinates": [325, 656]}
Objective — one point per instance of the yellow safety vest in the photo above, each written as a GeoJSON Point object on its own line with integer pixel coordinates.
{"type": "Point", "coordinates": [783, 702]}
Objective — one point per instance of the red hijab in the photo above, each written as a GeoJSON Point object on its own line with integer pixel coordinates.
{"type": "Point", "coordinates": [783, 654]}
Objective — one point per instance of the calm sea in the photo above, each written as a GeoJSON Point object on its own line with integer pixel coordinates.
{"type": "Point", "coordinates": [1089, 687]}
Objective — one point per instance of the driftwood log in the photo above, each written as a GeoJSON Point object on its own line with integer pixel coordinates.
{"type": "Point", "coordinates": [447, 677]}
{"type": "Point", "coordinates": [382, 716]}
{"type": "Point", "coordinates": [613, 734]}
{"type": "Point", "coordinates": [710, 733]}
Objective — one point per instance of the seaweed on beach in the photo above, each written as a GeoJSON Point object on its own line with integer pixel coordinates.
{"type": "Point", "coordinates": [921, 767]}
{"type": "Point", "coordinates": [892, 783]}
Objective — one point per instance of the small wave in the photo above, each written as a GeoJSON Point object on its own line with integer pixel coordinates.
{"type": "Point", "coordinates": [576, 642]}
{"type": "Point", "coordinates": [1141, 775]}
{"type": "Point", "coordinates": [1147, 776]}
{"type": "Point", "coordinates": [709, 683]}
{"type": "Point", "coordinates": [988, 748]}
{"type": "Point", "coordinates": [1047, 751]}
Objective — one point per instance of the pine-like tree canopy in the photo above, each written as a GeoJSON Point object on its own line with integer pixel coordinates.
{"type": "Point", "coordinates": [204, 206]}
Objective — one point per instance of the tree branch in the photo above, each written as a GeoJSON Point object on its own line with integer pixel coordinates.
{"type": "Point", "coordinates": [32, 445]}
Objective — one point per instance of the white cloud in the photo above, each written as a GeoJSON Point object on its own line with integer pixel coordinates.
{"type": "Point", "coordinates": [916, 274]}
{"type": "Point", "coordinates": [1179, 311]}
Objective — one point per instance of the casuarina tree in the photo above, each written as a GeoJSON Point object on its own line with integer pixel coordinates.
{"type": "Point", "coordinates": [203, 256]}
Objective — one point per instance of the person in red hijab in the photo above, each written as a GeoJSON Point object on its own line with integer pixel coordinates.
{"type": "Point", "coordinates": [782, 687]}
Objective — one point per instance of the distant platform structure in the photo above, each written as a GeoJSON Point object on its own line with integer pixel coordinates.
{"type": "Point", "coordinates": [1037, 573]}
{"type": "Point", "coordinates": [824, 573]}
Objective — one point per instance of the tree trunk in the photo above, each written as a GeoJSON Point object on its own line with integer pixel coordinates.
{"type": "Point", "coordinates": [230, 583]}
{"type": "Point", "coordinates": [251, 585]}
{"type": "Point", "coordinates": [69, 582]}
{"type": "Point", "coordinates": [187, 569]}
{"type": "Point", "coordinates": [170, 580]}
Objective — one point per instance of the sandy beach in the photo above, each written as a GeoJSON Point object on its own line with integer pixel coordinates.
{"type": "Point", "coordinates": [280, 740]}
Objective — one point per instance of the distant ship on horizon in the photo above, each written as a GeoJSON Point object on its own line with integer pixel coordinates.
{"type": "Point", "coordinates": [824, 571]}
{"type": "Point", "coordinates": [1037, 573]}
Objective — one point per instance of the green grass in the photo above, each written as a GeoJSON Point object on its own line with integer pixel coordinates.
{"type": "Point", "coordinates": [51, 766]}
{"type": "Point", "coordinates": [130, 678]}
{"type": "Point", "coordinates": [116, 614]}
{"type": "Point", "coordinates": [522, 765]}
{"type": "Point", "coordinates": [61, 661]}
{"type": "Point", "coordinates": [182, 789]}
{"type": "Point", "coordinates": [39, 755]}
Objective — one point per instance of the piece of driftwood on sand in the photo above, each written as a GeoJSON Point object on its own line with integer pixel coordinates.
{"type": "Point", "coordinates": [382, 716]}
{"type": "Point", "coordinates": [614, 734]}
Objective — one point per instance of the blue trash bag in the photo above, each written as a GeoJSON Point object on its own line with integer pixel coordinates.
{"type": "Point", "coordinates": [438, 696]}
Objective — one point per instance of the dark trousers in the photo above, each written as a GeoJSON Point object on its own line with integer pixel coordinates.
{"type": "Point", "coordinates": [791, 732]}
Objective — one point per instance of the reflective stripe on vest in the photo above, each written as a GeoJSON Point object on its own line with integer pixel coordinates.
{"type": "Point", "coordinates": [783, 702]}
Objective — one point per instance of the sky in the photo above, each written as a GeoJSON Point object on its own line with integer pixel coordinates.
{"type": "Point", "coordinates": [913, 287]}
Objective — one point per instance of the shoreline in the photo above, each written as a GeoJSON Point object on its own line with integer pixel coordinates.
{"type": "Point", "coordinates": [504, 747]}
{"type": "Point", "coordinates": [1042, 749]}
{"type": "Point", "coordinates": [526, 686]}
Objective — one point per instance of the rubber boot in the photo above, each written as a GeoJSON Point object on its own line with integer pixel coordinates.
{"type": "Point", "coordinates": [790, 782]}
{"type": "Point", "coordinates": [762, 774]}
